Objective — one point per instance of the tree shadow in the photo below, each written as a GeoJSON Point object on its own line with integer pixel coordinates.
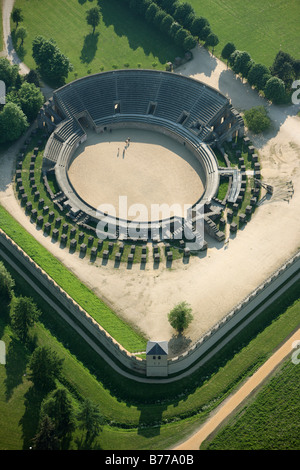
{"type": "Point", "coordinates": [16, 361]}
{"type": "Point", "coordinates": [87, 443]}
{"type": "Point", "coordinates": [139, 33]}
{"type": "Point", "coordinates": [89, 48]}
{"type": "Point", "coordinates": [150, 420]}
{"type": "Point", "coordinates": [178, 344]}
{"type": "Point", "coordinates": [30, 420]}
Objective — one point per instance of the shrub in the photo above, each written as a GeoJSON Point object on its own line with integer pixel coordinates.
{"type": "Point", "coordinates": [257, 119]}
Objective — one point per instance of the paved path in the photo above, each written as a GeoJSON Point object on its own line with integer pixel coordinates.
{"type": "Point", "coordinates": [238, 398]}
{"type": "Point", "coordinates": [7, 40]}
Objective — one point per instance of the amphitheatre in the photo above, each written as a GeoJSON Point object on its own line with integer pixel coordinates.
{"type": "Point", "coordinates": [160, 138]}
{"type": "Point", "coordinates": [239, 267]}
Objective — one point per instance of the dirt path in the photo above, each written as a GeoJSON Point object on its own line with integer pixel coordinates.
{"type": "Point", "coordinates": [238, 398]}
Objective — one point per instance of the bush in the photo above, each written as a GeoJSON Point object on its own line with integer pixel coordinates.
{"type": "Point", "coordinates": [257, 119]}
{"type": "Point", "coordinates": [275, 90]}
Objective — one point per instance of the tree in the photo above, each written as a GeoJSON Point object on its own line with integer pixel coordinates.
{"type": "Point", "coordinates": [180, 316]}
{"type": "Point", "coordinates": [46, 438]}
{"type": "Point", "coordinates": [151, 11]}
{"type": "Point", "coordinates": [204, 33]}
{"type": "Point", "coordinates": [93, 17]}
{"type": "Point", "coordinates": [180, 36]}
{"type": "Point", "coordinates": [257, 119]}
{"type": "Point", "coordinates": [169, 6]}
{"type": "Point", "coordinates": [184, 14]}
{"type": "Point", "coordinates": [24, 313]}
{"type": "Point", "coordinates": [17, 16]}
{"type": "Point", "coordinates": [159, 17]}
{"type": "Point", "coordinates": [33, 77]}
{"type": "Point", "coordinates": [275, 90]}
{"type": "Point", "coordinates": [212, 40]}
{"type": "Point", "coordinates": [45, 367]}
{"type": "Point", "coordinates": [51, 62]}
{"type": "Point", "coordinates": [142, 6]}
{"type": "Point", "coordinates": [7, 283]}
{"type": "Point", "coordinates": [8, 72]}
{"type": "Point", "coordinates": [175, 27]}
{"type": "Point", "coordinates": [60, 410]}
{"type": "Point", "coordinates": [13, 123]}
{"type": "Point", "coordinates": [189, 43]}
{"type": "Point", "coordinates": [166, 24]}
{"type": "Point", "coordinates": [241, 63]}
{"type": "Point", "coordinates": [228, 49]}
{"type": "Point", "coordinates": [285, 67]}
{"type": "Point", "coordinates": [90, 419]}
{"type": "Point", "coordinates": [29, 98]}
{"type": "Point", "coordinates": [197, 26]}
{"type": "Point", "coordinates": [258, 76]}
{"type": "Point", "coordinates": [21, 33]}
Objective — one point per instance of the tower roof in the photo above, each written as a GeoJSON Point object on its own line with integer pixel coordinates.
{"type": "Point", "coordinates": [157, 348]}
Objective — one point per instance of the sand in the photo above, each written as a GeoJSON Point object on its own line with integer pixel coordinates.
{"type": "Point", "coordinates": [152, 170]}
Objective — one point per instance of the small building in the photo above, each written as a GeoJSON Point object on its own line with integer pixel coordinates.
{"type": "Point", "coordinates": [157, 358]}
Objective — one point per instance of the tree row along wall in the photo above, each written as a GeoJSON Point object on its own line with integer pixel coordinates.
{"type": "Point", "coordinates": [77, 315]}
{"type": "Point", "coordinates": [236, 320]}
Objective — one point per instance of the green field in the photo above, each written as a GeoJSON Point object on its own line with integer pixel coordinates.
{"type": "Point", "coordinates": [270, 421]}
{"type": "Point", "coordinates": [260, 28]}
{"type": "Point", "coordinates": [121, 40]}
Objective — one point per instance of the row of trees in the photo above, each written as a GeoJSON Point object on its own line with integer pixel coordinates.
{"type": "Point", "coordinates": [177, 20]}
{"type": "Point", "coordinates": [23, 101]}
{"type": "Point", "coordinates": [268, 80]}
{"type": "Point", "coordinates": [58, 418]}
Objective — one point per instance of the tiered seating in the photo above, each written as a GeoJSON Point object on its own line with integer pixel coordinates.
{"type": "Point", "coordinates": [135, 94]}
{"type": "Point", "coordinates": [67, 129]}
{"type": "Point", "coordinates": [176, 96]}
{"type": "Point", "coordinates": [53, 149]}
{"type": "Point", "coordinates": [208, 104]}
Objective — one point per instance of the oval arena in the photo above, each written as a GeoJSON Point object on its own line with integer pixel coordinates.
{"type": "Point", "coordinates": [147, 135]}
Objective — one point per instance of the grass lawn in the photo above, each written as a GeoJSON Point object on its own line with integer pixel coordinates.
{"type": "Point", "coordinates": [260, 28]}
{"type": "Point", "coordinates": [121, 40]}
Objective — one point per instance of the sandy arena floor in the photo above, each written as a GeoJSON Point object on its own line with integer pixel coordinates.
{"type": "Point", "coordinates": [152, 169]}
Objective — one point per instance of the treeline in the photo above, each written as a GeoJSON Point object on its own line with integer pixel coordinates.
{"type": "Point", "coordinates": [275, 82]}
{"type": "Point", "coordinates": [58, 417]}
{"type": "Point", "coordinates": [177, 20]}
{"type": "Point", "coordinates": [23, 101]}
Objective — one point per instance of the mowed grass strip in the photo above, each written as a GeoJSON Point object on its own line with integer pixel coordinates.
{"type": "Point", "coordinates": [260, 28]}
{"type": "Point", "coordinates": [117, 328]}
{"type": "Point", "coordinates": [121, 40]}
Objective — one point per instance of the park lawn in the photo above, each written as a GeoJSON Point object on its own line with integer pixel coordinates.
{"type": "Point", "coordinates": [121, 40]}
{"type": "Point", "coordinates": [260, 28]}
